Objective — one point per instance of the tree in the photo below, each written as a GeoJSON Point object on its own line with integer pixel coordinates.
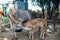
{"type": "Point", "coordinates": [40, 3]}
{"type": "Point", "coordinates": [55, 7]}
{"type": "Point", "coordinates": [56, 3]}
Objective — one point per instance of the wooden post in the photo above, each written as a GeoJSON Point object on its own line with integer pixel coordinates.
{"type": "Point", "coordinates": [0, 23]}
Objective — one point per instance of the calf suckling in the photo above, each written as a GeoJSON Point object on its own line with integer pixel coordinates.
{"type": "Point", "coordinates": [34, 23]}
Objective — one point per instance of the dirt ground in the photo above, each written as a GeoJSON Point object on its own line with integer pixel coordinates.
{"type": "Point", "coordinates": [7, 35]}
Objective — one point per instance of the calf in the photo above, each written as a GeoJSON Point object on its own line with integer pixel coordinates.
{"type": "Point", "coordinates": [34, 23]}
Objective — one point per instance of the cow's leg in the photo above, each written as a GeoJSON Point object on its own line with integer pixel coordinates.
{"type": "Point", "coordinates": [14, 33]}
{"type": "Point", "coordinates": [31, 36]}
{"type": "Point", "coordinates": [41, 33]}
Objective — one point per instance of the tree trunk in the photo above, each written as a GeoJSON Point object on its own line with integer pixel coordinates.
{"type": "Point", "coordinates": [48, 10]}
{"type": "Point", "coordinates": [43, 11]}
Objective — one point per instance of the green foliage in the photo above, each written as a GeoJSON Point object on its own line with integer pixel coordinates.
{"type": "Point", "coordinates": [35, 11]}
{"type": "Point", "coordinates": [5, 20]}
